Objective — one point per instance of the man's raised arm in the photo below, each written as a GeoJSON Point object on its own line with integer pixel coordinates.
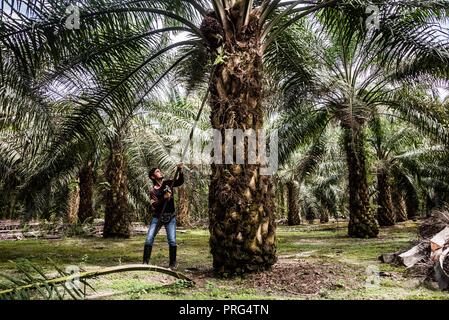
{"type": "Point", "coordinates": [180, 180]}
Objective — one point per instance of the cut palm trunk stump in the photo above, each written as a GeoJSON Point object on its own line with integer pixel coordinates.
{"type": "Point", "coordinates": [414, 255]}
{"type": "Point", "coordinates": [430, 257]}
{"type": "Point", "coordinates": [442, 270]}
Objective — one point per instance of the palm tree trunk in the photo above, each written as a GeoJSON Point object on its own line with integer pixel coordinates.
{"type": "Point", "coordinates": [362, 223]}
{"type": "Point", "coordinates": [45, 210]}
{"type": "Point", "coordinates": [411, 203]}
{"type": "Point", "coordinates": [279, 194]}
{"type": "Point", "coordinates": [284, 197]}
{"type": "Point", "coordinates": [294, 217]}
{"type": "Point", "coordinates": [73, 205]}
{"type": "Point", "coordinates": [399, 207]}
{"type": "Point", "coordinates": [310, 214]}
{"type": "Point", "coordinates": [324, 216]}
{"type": "Point", "coordinates": [430, 204]}
{"type": "Point", "coordinates": [385, 215]}
{"type": "Point", "coordinates": [281, 200]}
{"type": "Point", "coordinates": [241, 201]}
{"type": "Point", "coordinates": [12, 206]}
{"type": "Point", "coordinates": [86, 176]}
{"type": "Point", "coordinates": [183, 210]}
{"type": "Point", "coordinates": [117, 220]}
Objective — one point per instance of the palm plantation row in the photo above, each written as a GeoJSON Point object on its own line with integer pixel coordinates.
{"type": "Point", "coordinates": [362, 128]}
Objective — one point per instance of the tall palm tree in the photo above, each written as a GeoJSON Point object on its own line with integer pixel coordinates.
{"type": "Point", "coordinates": [348, 80]}
{"type": "Point", "coordinates": [386, 215]}
{"type": "Point", "coordinates": [316, 170]}
{"type": "Point", "coordinates": [152, 127]}
{"type": "Point", "coordinates": [294, 213]}
{"type": "Point", "coordinates": [384, 147]}
{"type": "Point", "coordinates": [28, 123]}
{"type": "Point", "coordinates": [86, 175]}
{"type": "Point", "coordinates": [288, 178]}
{"type": "Point", "coordinates": [233, 33]}
{"type": "Point", "coordinates": [408, 167]}
{"type": "Point", "coordinates": [117, 218]}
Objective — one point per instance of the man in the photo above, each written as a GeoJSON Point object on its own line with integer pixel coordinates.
{"type": "Point", "coordinates": [161, 195]}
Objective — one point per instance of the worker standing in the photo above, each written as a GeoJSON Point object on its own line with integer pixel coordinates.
{"type": "Point", "coordinates": [162, 201]}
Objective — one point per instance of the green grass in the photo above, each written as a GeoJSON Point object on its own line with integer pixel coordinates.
{"type": "Point", "coordinates": [315, 244]}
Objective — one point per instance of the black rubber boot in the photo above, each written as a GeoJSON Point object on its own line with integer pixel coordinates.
{"type": "Point", "coordinates": [147, 254]}
{"type": "Point", "coordinates": [172, 251]}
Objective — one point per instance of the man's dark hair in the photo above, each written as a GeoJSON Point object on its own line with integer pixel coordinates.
{"type": "Point", "coordinates": [151, 173]}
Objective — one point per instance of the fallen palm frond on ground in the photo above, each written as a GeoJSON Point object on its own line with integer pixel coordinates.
{"type": "Point", "coordinates": [67, 284]}
{"type": "Point", "coordinates": [430, 256]}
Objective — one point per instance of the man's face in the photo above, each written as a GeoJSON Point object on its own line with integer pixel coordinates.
{"type": "Point", "coordinates": [158, 174]}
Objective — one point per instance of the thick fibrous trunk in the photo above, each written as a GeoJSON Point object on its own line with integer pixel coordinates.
{"type": "Point", "coordinates": [324, 216]}
{"type": "Point", "coordinates": [117, 220]}
{"type": "Point", "coordinates": [285, 201]}
{"type": "Point", "coordinates": [310, 214]}
{"type": "Point", "coordinates": [385, 215]}
{"type": "Point", "coordinates": [183, 216]}
{"type": "Point", "coordinates": [294, 217]}
{"type": "Point", "coordinates": [281, 206]}
{"type": "Point", "coordinates": [86, 176]}
{"type": "Point", "coordinates": [362, 223]}
{"type": "Point", "coordinates": [73, 205]}
{"type": "Point", "coordinates": [399, 207]}
{"type": "Point", "coordinates": [412, 204]}
{"type": "Point", "coordinates": [241, 200]}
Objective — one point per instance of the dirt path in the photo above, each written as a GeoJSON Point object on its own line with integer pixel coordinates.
{"type": "Point", "coordinates": [290, 277]}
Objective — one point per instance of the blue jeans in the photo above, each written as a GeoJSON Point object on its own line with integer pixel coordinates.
{"type": "Point", "coordinates": [170, 228]}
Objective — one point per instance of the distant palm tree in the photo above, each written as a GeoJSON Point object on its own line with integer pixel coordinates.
{"type": "Point", "coordinates": [288, 178]}
{"type": "Point", "coordinates": [407, 165]}
{"type": "Point", "coordinates": [137, 141]}
{"type": "Point", "coordinates": [343, 80]}
{"type": "Point", "coordinates": [316, 171]}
